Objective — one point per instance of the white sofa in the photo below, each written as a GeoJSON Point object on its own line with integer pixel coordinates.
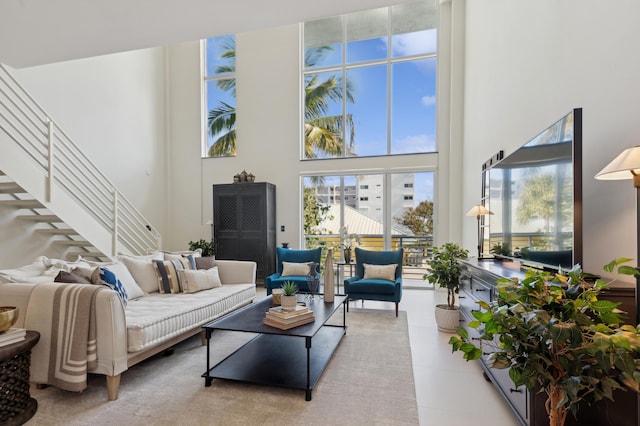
{"type": "Point", "coordinates": [127, 335]}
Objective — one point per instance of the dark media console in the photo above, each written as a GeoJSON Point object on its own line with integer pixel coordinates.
{"type": "Point", "coordinates": [478, 283]}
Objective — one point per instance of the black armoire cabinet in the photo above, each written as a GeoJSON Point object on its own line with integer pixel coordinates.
{"type": "Point", "coordinates": [244, 224]}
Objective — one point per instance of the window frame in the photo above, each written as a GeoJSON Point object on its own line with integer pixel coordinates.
{"type": "Point", "coordinates": [205, 79]}
{"type": "Point", "coordinates": [342, 69]}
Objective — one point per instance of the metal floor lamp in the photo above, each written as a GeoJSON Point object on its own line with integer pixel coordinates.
{"type": "Point", "coordinates": [627, 166]}
{"type": "Point", "coordinates": [477, 211]}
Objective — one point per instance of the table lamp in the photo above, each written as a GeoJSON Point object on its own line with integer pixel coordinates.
{"type": "Point", "coordinates": [627, 166]}
{"type": "Point", "coordinates": [477, 211]}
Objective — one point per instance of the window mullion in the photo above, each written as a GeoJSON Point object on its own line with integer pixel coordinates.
{"type": "Point", "coordinates": [344, 91]}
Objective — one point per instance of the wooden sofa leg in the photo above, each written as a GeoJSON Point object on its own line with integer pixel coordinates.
{"type": "Point", "coordinates": [113, 384]}
{"type": "Point", "coordinates": [396, 309]}
{"type": "Point", "coordinates": [203, 337]}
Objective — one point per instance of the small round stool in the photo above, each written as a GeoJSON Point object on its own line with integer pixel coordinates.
{"type": "Point", "coordinates": [16, 404]}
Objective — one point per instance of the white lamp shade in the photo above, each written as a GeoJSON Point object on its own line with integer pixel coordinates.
{"type": "Point", "coordinates": [624, 166]}
{"type": "Point", "coordinates": [479, 210]}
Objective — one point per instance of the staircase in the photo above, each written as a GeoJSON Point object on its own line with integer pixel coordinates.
{"type": "Point", "coordinates": [51, 183]}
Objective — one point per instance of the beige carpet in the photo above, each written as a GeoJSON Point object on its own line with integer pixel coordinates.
{"type": "Point", "coordinates": [369, 381]}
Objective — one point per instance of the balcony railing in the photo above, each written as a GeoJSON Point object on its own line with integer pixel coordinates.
{"type": "Point", "coordinates": [417, 250]}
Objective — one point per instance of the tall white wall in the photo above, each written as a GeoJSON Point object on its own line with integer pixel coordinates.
{"type": "Point", "coordinates": [268, 122]}
{"type": "Point", "coordinates": [527, 64]}
{"type": "Point", "coordinates": [113, 107]}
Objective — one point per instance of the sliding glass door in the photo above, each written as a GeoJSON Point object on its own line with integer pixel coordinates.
{"type": "Point", "coordinates": [382, 211]}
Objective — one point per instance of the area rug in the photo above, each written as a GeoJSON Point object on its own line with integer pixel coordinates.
{"type": "Point", "coordinates": [369, 380]}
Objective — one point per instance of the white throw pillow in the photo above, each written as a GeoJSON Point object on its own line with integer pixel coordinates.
{"type": "Point", "coordinates": [177, 255]}
{"type": "Point", "coordinates": [290, 268]}
{"type": "Point", "coordinates": [380, 272]}
{"type": "Point", "coordinates": [142, 270]}
{"type": "Point", "coordinates": [196, 280]}
{"type": "Point", "coordinates": [123, 274]}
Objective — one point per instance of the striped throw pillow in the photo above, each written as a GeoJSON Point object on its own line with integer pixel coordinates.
{"type": "Point", "coordinates": [167, 274]}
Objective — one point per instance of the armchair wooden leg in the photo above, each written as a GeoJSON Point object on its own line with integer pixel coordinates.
{"type": "Point", "coordinates": [396, 309]}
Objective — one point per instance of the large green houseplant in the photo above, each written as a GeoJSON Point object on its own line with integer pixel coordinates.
{"type": "Point", "coordinates": [445, 271]}
{"type": "Point", "coordinates": [553, 333]}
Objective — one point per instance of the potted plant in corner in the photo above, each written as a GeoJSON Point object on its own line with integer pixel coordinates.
{"type": "Point", "coordinates": [288, 299]}
{"type": "Point", "coordinates": [206, 246]}
{"type": "Point", "coordinates": [555, 335]}
{"type": "Point", "coordinates": [445, 271]}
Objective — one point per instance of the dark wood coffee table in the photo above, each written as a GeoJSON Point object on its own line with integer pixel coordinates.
{"type": "Point", "coordinates": [277, 357]}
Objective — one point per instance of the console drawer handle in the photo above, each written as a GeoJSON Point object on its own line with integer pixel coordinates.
{"type": "Point", "coordinates": [486, 353]}
{"type": "Point", "coordinates": [481, 289]}
{"type": "Point", "coordinates": [515, 390]}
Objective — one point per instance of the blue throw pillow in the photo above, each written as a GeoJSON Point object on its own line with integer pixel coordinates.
{"type": "Point", "coordinates": [109, 279]}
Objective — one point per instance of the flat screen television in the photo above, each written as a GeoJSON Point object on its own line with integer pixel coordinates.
{"type": "Point", "coordinates": [535, 194]}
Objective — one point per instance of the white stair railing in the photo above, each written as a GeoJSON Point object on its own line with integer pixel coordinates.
{"type": "Point", "coordinates": [52, 153]}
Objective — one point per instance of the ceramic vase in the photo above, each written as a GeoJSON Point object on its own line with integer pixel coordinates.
{"type": "Point", "coordinates": [288, 303]}
{"type": "Point", "coordinates": [329, 289]}
{"type": "Point", "coordinates": [347, 255]}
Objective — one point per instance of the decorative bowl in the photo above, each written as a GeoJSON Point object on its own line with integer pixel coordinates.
{"type": "Point", "coordinates": [8, 317]}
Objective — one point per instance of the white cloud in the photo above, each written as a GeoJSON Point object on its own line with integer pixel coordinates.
{"type": "Point", "coordinates": [415, 43]}
{"type": "Point", "coordinates": [428, 100]}
{"type": "Point", "coordinates": [413, 144]}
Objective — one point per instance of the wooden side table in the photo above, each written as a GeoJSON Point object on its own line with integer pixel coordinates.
{"type": "Point", "coordinates": [16, 404]}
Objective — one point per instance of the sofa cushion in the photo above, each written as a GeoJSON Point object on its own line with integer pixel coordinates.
{"type": "Point", "coordinates": [124, 275]}
{"type": "Point", "coordinates": [292, 268]}
{"type": "Point", "coordinates": [70, 277]}
{"type": "Point", "coordinates": [297, 256]}
{"type": "Point", "coordinates": [176, 255]}
{"type": "Point", "coordinates": [193, 281]}
{"type": "Point", "coordinates": [374, 286]}
{"type": "Point", "coordinates": [205, 262]}
{"type": "Point", "coordinates": [41, 270]}
{"type": "Point", "coordinates": [142, 270]}
{"type": "Point", "coordinates": [157, 317]}
{"type": "Point", "coordinates": [381, 272]}
{"type": "Point", "coordinates": [167, 274]}
{"type": "Point", "coordinates": [106, 277]}
{"type": "Point", "coordinates": [85, 273]}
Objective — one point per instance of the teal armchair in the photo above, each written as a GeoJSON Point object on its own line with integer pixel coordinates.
{"type": "Point", "coordinates": [388, 289]}
{"type": "Point", "coordinates": [293, 256]}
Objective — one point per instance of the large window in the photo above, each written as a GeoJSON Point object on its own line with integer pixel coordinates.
{"type": "Point", "coordinates": [370, 82]}
{"type": "Point", "coordinates": [220, 95]}
{"type": "Point", "coordinates": [388, 214]}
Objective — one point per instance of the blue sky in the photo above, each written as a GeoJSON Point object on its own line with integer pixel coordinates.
{"type": "Point", "coordinates": [413, 120]}
{"type": "Point", "coordinates": [413, 99]}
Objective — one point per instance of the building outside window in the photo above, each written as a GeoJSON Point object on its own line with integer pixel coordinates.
{"type": "Point", "coordinates": [385, 222]}
{"type": "Point", "coordinates": [369, 82]}
{"type": "Point", "coordinates": [220, 97]}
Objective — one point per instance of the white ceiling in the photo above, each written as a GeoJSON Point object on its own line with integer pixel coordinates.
{"type": "Point", "coordinates": [36, 32]}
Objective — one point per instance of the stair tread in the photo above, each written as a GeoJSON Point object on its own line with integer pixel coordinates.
{"type": "Point", "coordinates": [57, 231]}
{"type": "Point", "coordinates": [74, 243]}
{"type": "Point", "coordinates": [11, 188]}
{"type": "Point", "coordinates": [41, 217]}
{"type": "Point", "coordinates": [22, 203]}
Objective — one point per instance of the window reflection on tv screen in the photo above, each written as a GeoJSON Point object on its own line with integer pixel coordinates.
{"type": "Point", "coordinates": [531, 193]}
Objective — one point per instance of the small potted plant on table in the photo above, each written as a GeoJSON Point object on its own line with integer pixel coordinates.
{"type": "Point", "coordinates": [288, 300]}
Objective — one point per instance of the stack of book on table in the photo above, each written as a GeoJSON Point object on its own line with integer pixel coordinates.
{"type": "Point", "coordinates": [12, 335]}
{"type": "Point", "coordinates": [285, 319]}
